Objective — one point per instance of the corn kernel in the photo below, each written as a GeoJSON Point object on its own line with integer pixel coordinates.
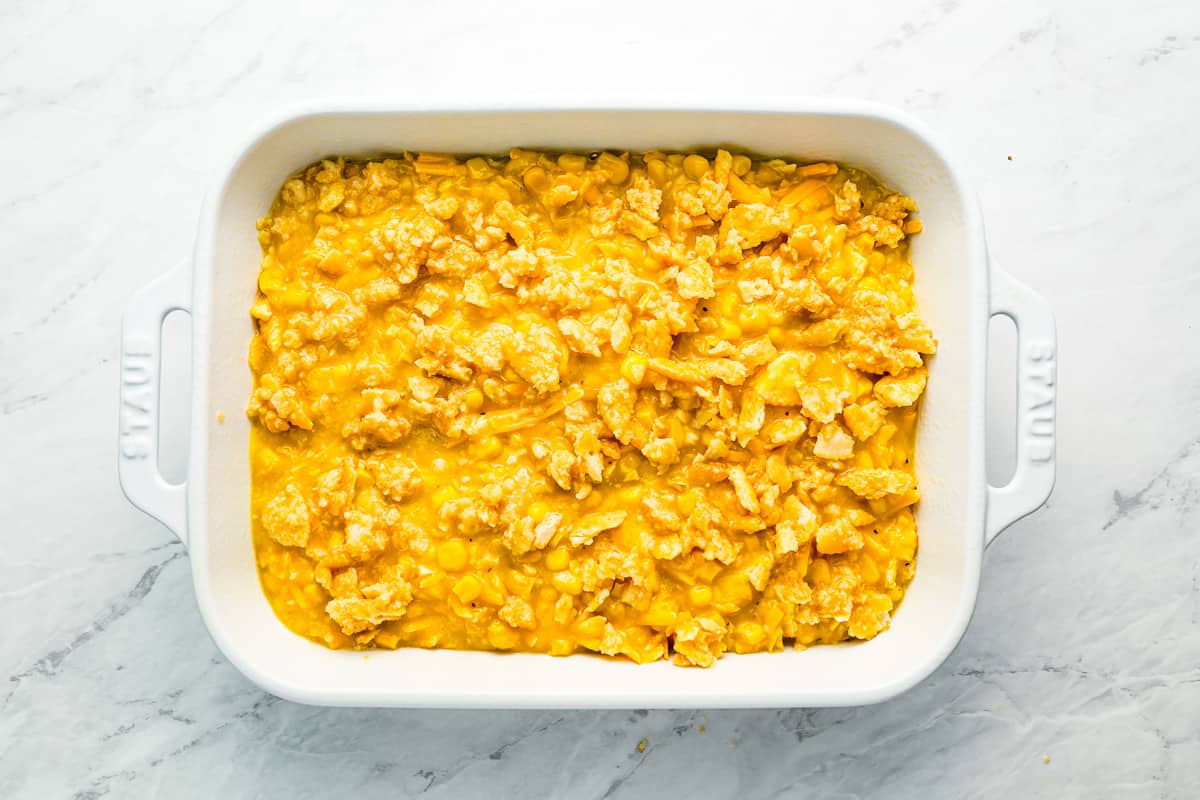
{"type": "Point", "coordinates": [452, 555]}
{"type": "Point", "coordinates": [591, 627]}
{"type": "Point", "coordinates": [660, 616]}
{"type": "Point", "coordinates": [733, 590]}
{"type": "Point", "coordinates": [538, 510]}
{"type": "Point", "coordinates": [557, 559]}
{"type": "Point", "coordinates": [806, 635]}
{"type": "Point", "coordinates": [633, 368]}
{"type": "Point", "coordinates": [566, 582]}
{"type": "Point", "coordinates": [492, 592]}
{"type": "Point", "coordinates": [749, 635]}
{"type": "Point", "coordinates": [292, 296]}
{"type": "Point", "coordinates": [502, 637]}
{"type": "Point", "coordinates": [700, 595]}
{"type": "Point", "coordinates": [572, 162]}
{"type": "Point", "coordinates": [616, 169]}
{"type": "Point", "coordinates": [473, 399]}
{"type": "Point", "coordinates": [656, 170]}
{"type": "Point", "coordinates": [269, 280]}
{"type": "Point", "coordinates": [438, 586]}
{"type": "Point", "coordinates": [815, 201]}
{"type": "Point", "coordinates": [870, 572]}
{"type": "Point", "coordinates": [695, 166]}
{"type": "Point", "coordinates": [741, 165]}
{"type": "Point", "coordinates": [905, 542]}
{"type": "Point", "coordinates": [536, 179]}
{"type": "Point", "coordinates": [467, 588]}
{"type": "Point", "coordinates": [337, 378]}
{"type": "Point", "coordinates": [729, 330]}
{"type": "Point", "coordinates": [562, 647]}
{"type": "Point", "coordinates": [479, 169]}
{"type": "Point", "coordinates": [518, 583]}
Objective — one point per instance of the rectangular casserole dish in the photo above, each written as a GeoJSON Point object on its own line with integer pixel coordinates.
{"type": "Point", "coordinates": [958, 291]}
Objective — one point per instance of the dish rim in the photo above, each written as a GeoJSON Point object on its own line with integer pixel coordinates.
{"type": "Point", "coordinates": [201, 274]}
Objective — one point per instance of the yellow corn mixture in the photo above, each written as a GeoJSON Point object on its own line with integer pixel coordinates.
{"type": "Point", "coordinates": [649, 405]}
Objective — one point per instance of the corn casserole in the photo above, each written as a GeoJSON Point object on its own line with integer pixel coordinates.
{"type": "Point", "coordinates": [654, 405]}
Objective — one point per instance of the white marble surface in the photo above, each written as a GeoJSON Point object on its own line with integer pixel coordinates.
{"type": "Point", "coordinates": [1085, 645]}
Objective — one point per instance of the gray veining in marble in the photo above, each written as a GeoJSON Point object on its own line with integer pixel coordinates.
{"type": "Point", "coordinates": [1079, 127]}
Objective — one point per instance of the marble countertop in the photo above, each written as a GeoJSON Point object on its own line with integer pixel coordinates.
{"type": "Point", "coordinates": [1076, 126]}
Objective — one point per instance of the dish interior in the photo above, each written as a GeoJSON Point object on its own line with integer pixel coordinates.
{"type": "Point", "coordinates": [646, 405]}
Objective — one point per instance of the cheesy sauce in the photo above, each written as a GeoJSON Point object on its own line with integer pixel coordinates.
{"type": "Point", "coordinates": [653, 405]}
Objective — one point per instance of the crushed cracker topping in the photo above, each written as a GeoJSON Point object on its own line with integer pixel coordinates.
{"type": "Point", "coordinates": [656, 406]}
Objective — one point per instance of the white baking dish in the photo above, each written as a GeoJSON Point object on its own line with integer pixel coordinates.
{"type": "Point", "coordinates": [958, 291]}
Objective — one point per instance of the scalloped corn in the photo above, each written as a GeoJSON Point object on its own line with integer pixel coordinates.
{"type": "Point", "coordinates": [652, 405]}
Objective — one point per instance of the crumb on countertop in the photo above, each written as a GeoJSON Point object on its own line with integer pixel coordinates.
{"type": "Point", "coordinates": [220, 417]}
{"type": "Point", "coordinates": [1045, 759]}
{"type": "Point", "coordinates": [642, 745]}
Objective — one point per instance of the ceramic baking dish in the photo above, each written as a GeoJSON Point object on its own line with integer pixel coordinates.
{"type": "Point", "coordinates": [958, 291]}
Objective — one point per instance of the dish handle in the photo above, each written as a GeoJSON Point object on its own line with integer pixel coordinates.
{"type": "Point", "coordinates": [141, 345]}
{"type": "Point", "coordinates": [1037, 354]}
